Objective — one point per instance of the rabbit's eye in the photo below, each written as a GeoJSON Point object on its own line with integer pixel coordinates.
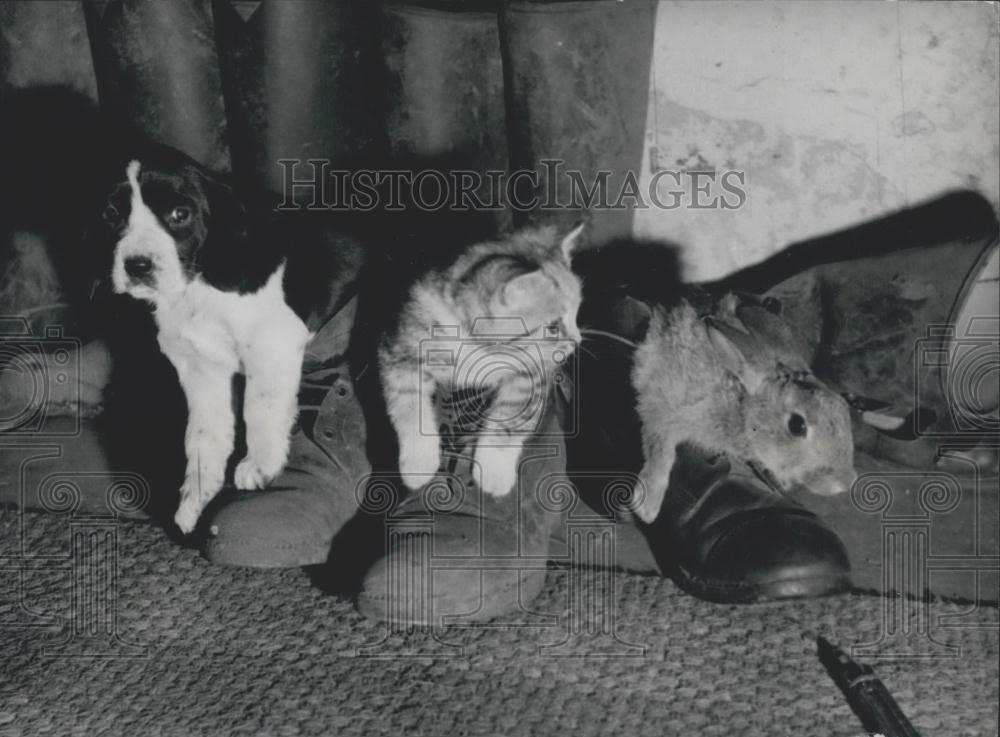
{"type": "Point", "coordinates": [797, 425]}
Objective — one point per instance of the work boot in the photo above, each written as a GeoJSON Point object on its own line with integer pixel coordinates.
{"type": "Point", "coordinates": [294, 521]}
{"type": "Point", "coordinates": [454, 554]}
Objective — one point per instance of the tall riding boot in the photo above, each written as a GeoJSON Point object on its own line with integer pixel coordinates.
{"type": "Point", "coordinates": [158, 70]}
{"type": "Point", "coordinates": [445, 98]}
{"type": "Point", "coordinates": [46, 44]}
{"type": "Point", "coordinates": [299, 77]}
{"type": "Point", "coordinates": [577, 90]}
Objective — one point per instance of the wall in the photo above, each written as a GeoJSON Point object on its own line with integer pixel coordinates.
{"type": "Point", "coordinates": [838, 112]}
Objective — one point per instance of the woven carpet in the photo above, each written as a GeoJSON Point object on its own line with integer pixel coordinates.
{"type": "Point", "coordinates": [204, 650]}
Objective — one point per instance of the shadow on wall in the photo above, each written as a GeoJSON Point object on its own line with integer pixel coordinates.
{"type": "Point", "coordinates": [954, 216]}
{"type": "Point", "coordinates": [53, 144]}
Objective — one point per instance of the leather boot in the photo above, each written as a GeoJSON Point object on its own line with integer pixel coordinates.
{"type": "Point", "coordinates": [453, 554]}
{"type": "Point", "coordinates": [722, 534]}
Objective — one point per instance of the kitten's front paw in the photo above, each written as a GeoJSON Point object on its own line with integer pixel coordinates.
{"type": "Point", "coordinates": [419, 461]}
{"type": "Point", "coordinates": [251, 474]}
{"type": "Point", "coordinates": [499, 472]}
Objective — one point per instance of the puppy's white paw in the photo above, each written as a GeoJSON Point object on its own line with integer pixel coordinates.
{"type": "Point", "coordinates": [419, 461]}
{"type": "Point", "coordinates": [499, 472]}
{"type": "Point", "coordinates": [187, 514]}
{"type": "Point", "coordinates": [251, 475]}
{"type": "Point", "coordinates": [196, 492]}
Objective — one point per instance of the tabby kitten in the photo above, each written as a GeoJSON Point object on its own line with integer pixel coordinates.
{"type": "Point", "coordinates": [519, 291]}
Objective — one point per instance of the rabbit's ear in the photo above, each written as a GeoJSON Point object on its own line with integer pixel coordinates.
{"type": "Point", "coordinates": [732, 357]}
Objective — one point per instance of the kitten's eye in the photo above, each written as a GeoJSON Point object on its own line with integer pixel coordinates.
{"type": "Point", "coordinates": [111, 215]}
{"type": "Point", "coordinates": [180, 215]}
{"type": "Point", "coordinates": [797, 425]}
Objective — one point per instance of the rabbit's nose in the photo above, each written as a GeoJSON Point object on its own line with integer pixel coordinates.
{"type": "Point", "coordinates": [848, 479]}
{"type": "Point", "coordinates": [830, 482]}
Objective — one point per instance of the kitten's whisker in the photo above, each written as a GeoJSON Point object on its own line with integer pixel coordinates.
{"type": "Point", "coordinates": [609, 335]}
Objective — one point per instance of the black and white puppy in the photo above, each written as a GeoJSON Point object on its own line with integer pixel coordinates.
{"type": "Point", "coordinates": [229, 294]}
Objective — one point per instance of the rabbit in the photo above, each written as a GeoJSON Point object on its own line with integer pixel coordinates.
{"type": "Point", "coordinates": [712, 382]}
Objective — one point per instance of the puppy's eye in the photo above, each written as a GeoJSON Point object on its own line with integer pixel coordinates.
{"type": "Point", "coordinates": [797, 425]}
{"type": "Point", "coordinates": [180, 215]}
{"type": "Point", "coordinates": [111, 215]}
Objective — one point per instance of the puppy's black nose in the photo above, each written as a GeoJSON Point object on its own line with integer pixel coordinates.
{"type": "Point", "coordinates": [138, 266]}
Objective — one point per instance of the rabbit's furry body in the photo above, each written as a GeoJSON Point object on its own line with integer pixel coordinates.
{"type": "Point", "coordinates": [708, 381]}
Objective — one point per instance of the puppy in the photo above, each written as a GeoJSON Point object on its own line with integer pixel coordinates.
{"type": "Point", "coordinates": [230, 294]}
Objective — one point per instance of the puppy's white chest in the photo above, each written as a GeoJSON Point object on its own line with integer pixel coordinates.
{"type": "Point", "coordinates": [221, 328]}
{"type": "Point", "coordinates": [195, 331]}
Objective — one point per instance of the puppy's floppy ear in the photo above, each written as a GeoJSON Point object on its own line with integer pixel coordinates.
{"type": "Point", "coordinates": [227, 216]}
{"type": "Point", "coordinates": [233, 256]}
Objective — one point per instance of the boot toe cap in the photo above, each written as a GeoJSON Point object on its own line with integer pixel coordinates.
{"type": "Point", "coordinates": [772, 554]}
{"type": "Point", "coordinates": [271, 529]}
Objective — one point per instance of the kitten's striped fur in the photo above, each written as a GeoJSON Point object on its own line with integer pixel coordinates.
{"type": "Point", "coordinates": [521, 291]}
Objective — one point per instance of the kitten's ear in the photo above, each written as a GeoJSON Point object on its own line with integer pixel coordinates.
{"type": "Point", "coordinates": [570, 240]}
{"type": "Point", "coordinates": [528, 296]}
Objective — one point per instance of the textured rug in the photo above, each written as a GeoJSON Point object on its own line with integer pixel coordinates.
{"type": "Point", "coordinates": [111, 628]}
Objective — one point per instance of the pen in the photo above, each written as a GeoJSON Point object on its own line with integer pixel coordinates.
{"type": "Point", "coordinates": [866, 694]}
